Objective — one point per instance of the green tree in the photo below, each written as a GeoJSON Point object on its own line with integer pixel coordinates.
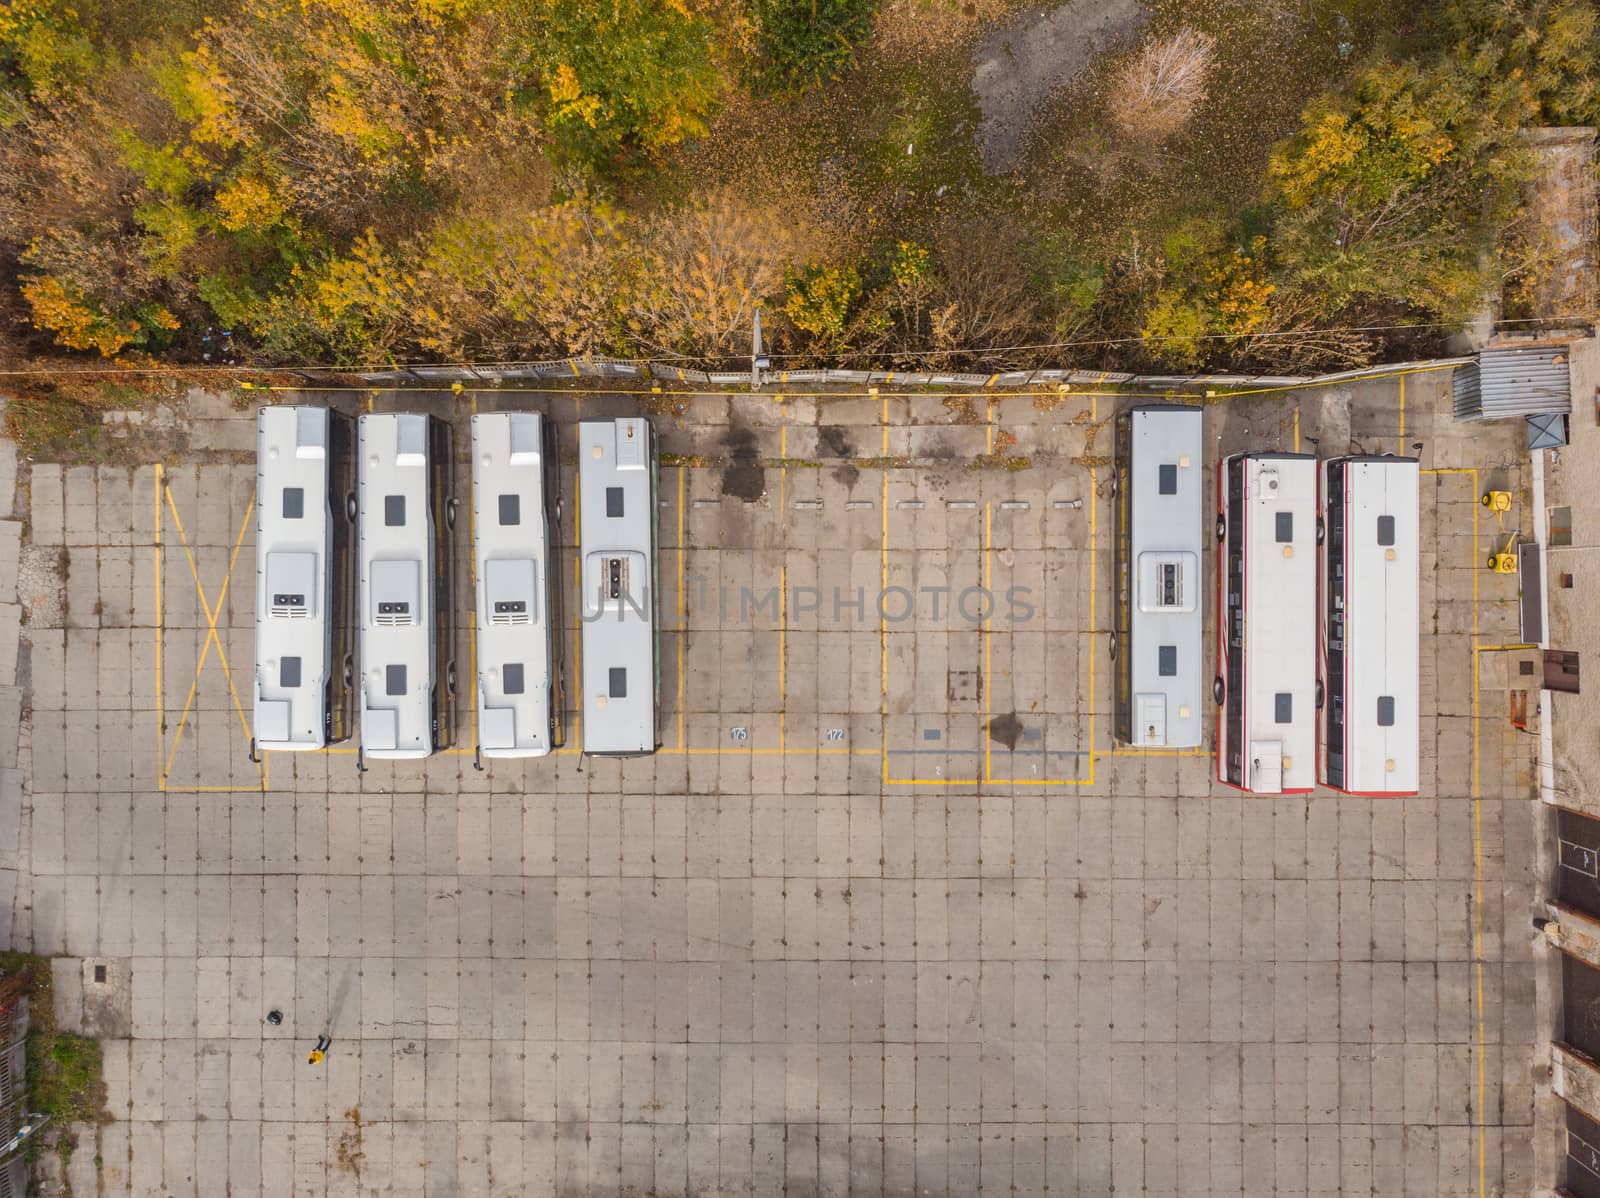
{"type": "Point", "coordinates": [1542, 54]}
{"type": "Point", "coordinates": [1397, 191]}
{"type": "Point", "coordinates": [44, 53]}
{"type": "Point", "coordinates": [1403, 186]}
{"type": "Point", "coordinates": [820, 299]}
{"type": "Point", "coordinates": [623, 76]}
{"type": "Point", "coordinates": [803, 42]}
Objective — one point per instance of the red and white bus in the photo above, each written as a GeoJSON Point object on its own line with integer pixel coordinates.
{"type": "Point", "coordinates": [1265, 687]}
{"type": "Point", "coordinates": [1368, 659]}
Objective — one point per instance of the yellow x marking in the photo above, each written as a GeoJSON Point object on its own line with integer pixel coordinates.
{"type": "Point", "coordinates": [212, 612]}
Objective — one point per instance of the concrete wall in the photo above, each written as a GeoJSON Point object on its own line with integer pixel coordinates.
{"type": "Point", "coordinates": [1575, 1078]}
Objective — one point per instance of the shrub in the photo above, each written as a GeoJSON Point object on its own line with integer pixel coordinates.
{"type": "Point", "coordinates": [44, 52]}
{"type": "Point", "coordinates": [1398, 191]}
{"type": "Point", "coordinates": [1175, 327]}
{"type": "Point", "coordinates": [819, 300]}
{"type": "Point", "coordinates": [1156, 91]}
{"type": "Point", "coordinates": [802, 42]}
{"type": "Point", "coordinates": [703, 269]}
{"type": "Point", "coordinates": [78, 322]}
{"type": "Point", "coordinates": [624, 76]}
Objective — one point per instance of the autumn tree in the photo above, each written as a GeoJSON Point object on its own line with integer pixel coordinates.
{"type": "Point", "coordinates": [624, 76]}
{"type": "Point", "coordinates": [1396, 191]}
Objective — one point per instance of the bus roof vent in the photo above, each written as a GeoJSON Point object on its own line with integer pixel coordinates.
{"type": "Point", "coordinates": [411, 440]}
{"type": "Point", "coordinates": [508, 587]}
{"type": "Point", "coordinates": [1168, 582]}
{"type": "Point", "coordinates": [525, 445]}
{"type": "Point", "coordinates": [396, 593]}
{"type": "Point", "coordinates": [311, 433]}
{"type": "Point", "coordinates": [291, 585]}
{"type": "Point", "coordinates": [631, 438]}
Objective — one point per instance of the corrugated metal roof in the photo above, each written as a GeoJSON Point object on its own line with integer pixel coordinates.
{"type": "Point", "coordinates": [1514, 380]}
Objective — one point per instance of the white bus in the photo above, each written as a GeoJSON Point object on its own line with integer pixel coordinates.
{"type": "Point", "coordinates": [516, 518]}
{"type": "Point", "coordinates": [305, 578]}
{"type": "Point", "coordinates": [617, 541]}
{"type": "Point", "coordinates": [1266, 680]}
{"type": "Point", "coordinates": [1369, 662]}
{"type": "Point", "coordinates": [408, 672]}
{"type": "Point", "coordinates": [1157, 644]}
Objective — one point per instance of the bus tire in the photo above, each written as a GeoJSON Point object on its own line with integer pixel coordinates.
{"type": "Point", "coordinates": [1222, 529]}
{"type": "Point", "coordinates": [1219, 690]}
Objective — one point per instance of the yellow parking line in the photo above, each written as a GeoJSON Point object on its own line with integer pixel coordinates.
{"type": "Point", "coordinates": [1477, 836]}
{"type": "Point", "coordinates": [683, 624]}
{"type": "Point", "coordinates": [986, 632]}
{"type": "Point", "coordinates": [1402, 447]}
{"type": "Point", "coordinates": [472, 579]}
{"type": "Point", "coordinates": [783, 590]}
{"type": "Point", "coordinates": [1477, 860]}
{"type": "Point", "coordinates": [1094, 553]}
{"type": "Point", "coordinates": [161, 706]}
{"type": "Point", "coordinates": [883, 585]}
{"type": "Point", "coordinates": [472, 656]}
{"type": "Point", "coordinates": [577, 580]}
{"type": "Point", "coordinates": [212, 613]}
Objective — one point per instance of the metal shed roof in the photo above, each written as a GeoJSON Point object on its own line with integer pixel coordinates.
{"type": "Point", "coordinates": [1514, 380]}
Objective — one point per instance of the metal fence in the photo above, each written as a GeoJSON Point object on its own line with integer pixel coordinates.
{"type": "Point", "coordinates": [17, 1124]}
{"type": "Point", "coordinates": [646, 373]}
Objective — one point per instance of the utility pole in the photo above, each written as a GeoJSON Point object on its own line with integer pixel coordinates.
{"type": "Point", "coordinates": [759, 362]}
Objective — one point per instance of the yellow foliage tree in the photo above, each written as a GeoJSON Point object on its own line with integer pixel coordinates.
{"type": "Point", "coordinates": [78, 323]}
{"type": "Point", "coordinates": [249, 203]}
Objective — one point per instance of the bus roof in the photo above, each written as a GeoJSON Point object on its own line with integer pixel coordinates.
{"type": "Point", "coordinates": [1382, 650]}
{"type": "Point", "coordinates": [512, 579]}
{"type": "Point", "coordinates": [396, 587]}
{"type": "Point", "coordinates": [1280, 620]}
{"type": "Point", "coordinates": [1166, 576]}
{"type": "Point", "coordinates": [616, 472]}
{"type": "Point", "coordinates": [292, 576]}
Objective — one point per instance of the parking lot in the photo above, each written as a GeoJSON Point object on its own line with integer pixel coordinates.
{"type": "Point", "coordinates": [888, 911]}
